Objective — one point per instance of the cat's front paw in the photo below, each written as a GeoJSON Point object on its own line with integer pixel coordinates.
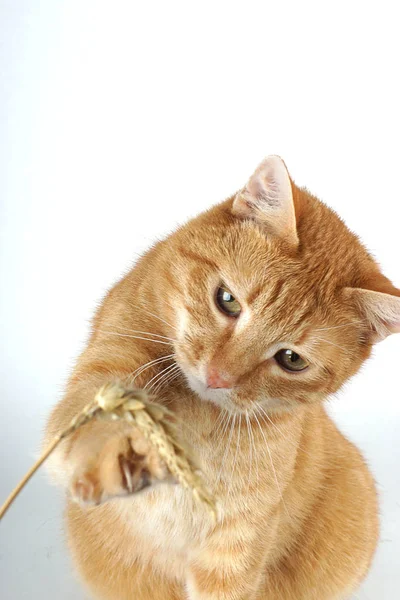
{"type": "Point", "coordinates": [126, 464]}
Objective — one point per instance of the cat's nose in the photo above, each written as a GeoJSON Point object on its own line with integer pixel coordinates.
{"type": "Point", "coordinates": [217, 380]}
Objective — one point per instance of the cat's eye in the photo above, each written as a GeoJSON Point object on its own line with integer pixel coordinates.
{"type": "Point", "coordinates": [227, 302]}
{"type": "Point", "coordinates": [290, 360]}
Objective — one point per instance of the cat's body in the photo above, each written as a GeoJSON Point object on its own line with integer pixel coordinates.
{"type": "Point", "coordinates": [318, 545]}
{"type": "Point", "coordinates": [297, 504]}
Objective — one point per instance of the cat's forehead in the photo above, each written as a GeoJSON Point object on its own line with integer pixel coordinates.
{"type": "Point", "coordinates": [241, 253]}
{"type": "Point", "coordinates": [277, 287]}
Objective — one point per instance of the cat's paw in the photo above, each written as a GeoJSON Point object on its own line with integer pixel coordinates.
{"type": "Point", "coordinates": [126, 464]}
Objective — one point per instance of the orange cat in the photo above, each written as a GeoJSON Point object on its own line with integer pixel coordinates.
{"type": "Point", "coordinates": [242, 321]}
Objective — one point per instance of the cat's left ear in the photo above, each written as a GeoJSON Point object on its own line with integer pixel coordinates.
{"type": "Point", "coordinates": [268, 199]}
{"type": "Point", "coordinates": [381, 309]}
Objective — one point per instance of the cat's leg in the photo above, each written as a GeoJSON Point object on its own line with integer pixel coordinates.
{"type": "Point", "coordinates": [231, 565]}
{"type": "Point", "coordinates": [207, 583]}
{"type": "Point", "coordinates": [101, 554]}
{"type": "Point", "coordinates": [334, 552]}
{"type": "Point", "coordinates": [116, 461]}
{"type": "Point", "coordinates": [102, 459]}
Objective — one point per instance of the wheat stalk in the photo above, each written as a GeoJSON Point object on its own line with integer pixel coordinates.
{"type": "Point", "coordinates": [114, 402]}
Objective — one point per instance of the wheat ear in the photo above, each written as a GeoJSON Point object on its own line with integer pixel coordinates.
{"type": "Point", "coordinates": [113, 402]}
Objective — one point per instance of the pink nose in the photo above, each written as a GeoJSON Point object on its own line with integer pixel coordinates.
{"type": "Point", "coordinates": [217, 381]}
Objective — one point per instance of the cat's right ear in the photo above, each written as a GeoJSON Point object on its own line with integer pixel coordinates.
{"type": "Point", "coordinates": [267, 199]}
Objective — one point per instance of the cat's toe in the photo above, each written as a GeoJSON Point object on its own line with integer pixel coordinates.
{"type": "Point", "coordinates": [126, 465]}
{"type": "Point", "coordinates": [86, 489]}
{"type": "Point", "coordinates": [135, 474]}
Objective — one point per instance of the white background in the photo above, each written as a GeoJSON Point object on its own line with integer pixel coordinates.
{"type": "Point", "coordinates": [120, 120]}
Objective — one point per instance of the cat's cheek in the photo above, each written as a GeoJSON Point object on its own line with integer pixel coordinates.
{"type": "Point", "coordinates": [274, 389]}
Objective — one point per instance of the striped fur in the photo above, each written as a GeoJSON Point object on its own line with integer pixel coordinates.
{"type": "Point", "coordinates": [297, 504]}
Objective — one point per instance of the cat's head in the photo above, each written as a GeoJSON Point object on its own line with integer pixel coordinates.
{"type": "Point", "coordinates": [275, 300]}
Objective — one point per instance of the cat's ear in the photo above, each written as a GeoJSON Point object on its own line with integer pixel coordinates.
{"type": "Point", "coordinates": [267, 198]}
{"type": "Point", "coordinates": [382, 310]}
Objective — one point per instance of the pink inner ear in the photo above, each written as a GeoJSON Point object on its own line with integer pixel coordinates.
{"type": "Point", "coordinates": [255, 188]}
{"type": "Point", "coordinates": [382, 309]}
{"type": "Point", "coordinates": [261, 187]}
{"type": "Point", "coordinates": [268, 200]}
{"type": "Point", "coordinates": [395, 327]}
{"type": "Point", "coordinates": [389, 311]}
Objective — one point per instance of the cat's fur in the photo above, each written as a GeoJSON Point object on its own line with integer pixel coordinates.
{"type": "Point", "coordinates": [298, 508]}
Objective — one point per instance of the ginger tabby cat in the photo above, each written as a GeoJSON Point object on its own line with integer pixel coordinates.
{"type": "Point", "coordinates": [242, 321]}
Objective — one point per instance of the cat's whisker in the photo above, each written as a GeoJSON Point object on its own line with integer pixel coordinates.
{"type": "Point", "coordinates": [174, 374]}
{"type": "Point", "coordinates": [135, 337]}
{"type": "Point", "coordinates": [135, 374]}
{"type": "Point", "coordinates": [231, 478]}
{"type": "Point", "coordinates": [157, 377]}
{"type": "Point", "coordinates": [162, 377]}
{"type": "Point", "coordinates": [275, 426]}
{"type": "Point", "coordinates": [272, 465]}
{"type": "Point", "coordinates": [255, 454]}
{"type": "Point", "coordinates": [150, 384]}
{"type": "Point", "coordinates": [157, 335]}
{"type": "Point", "coordinates": [169, 304]}
{"type": "Point", "coordinates": [237, 444]}
{"type": "Point", "coordinates": [341, 326]}
{"type": "Point", "coordinates": [164, 381]}
{"type": "Point", "coordinates": [219, 422]}
{"type": "Point", "coordinates": [236, 454]}
{"type": "Point", "coordinates": [223, 432]}
{"type": "Point", "coordinates": [250, 447]}
{"type": "Point", "coordinates": [156, 316]}
{"type": "Point", "coordinates": [232, 421]}
{"type": "Point", "coordinates": [332, 344]}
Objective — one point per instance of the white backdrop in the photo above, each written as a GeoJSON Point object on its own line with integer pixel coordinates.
{"type": "Point", "coordinates": [120, 120]}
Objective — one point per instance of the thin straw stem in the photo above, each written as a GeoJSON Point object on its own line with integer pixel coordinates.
{"type": "Point", "coordinates": [113, 402]}
{"type": "Point", "coordinates": [28, 475]}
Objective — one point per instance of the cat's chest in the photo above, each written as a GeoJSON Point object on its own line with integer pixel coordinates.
{"type": "Point", "coordinates": [170, 512]}
{"type": "Point", "coordinates": [167, 517]}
